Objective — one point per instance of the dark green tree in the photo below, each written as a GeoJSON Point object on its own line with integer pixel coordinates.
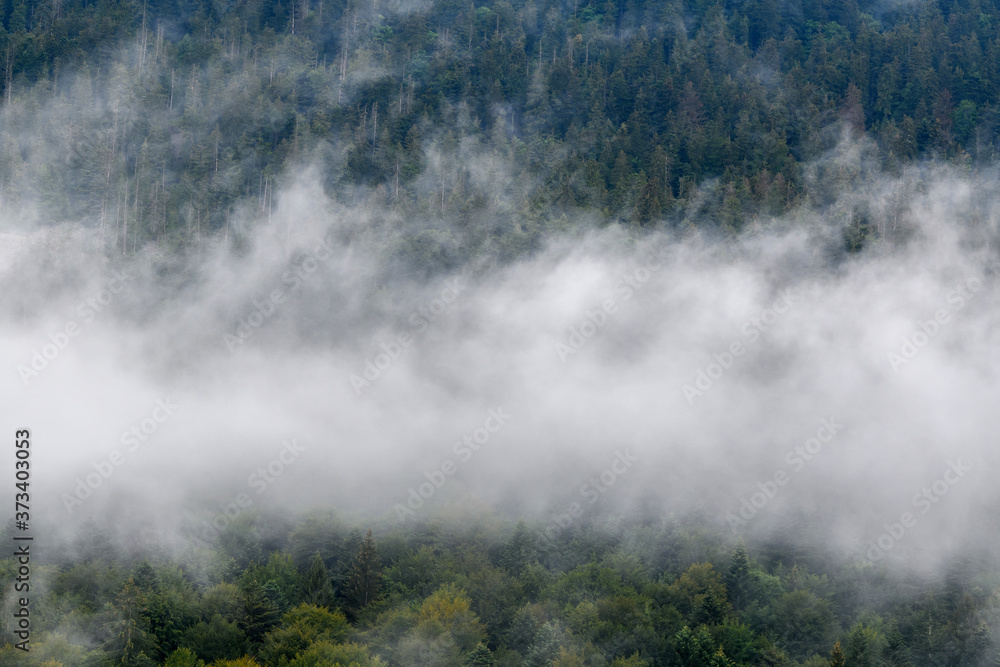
{"type": "Point", "coordinates": [365, 581]}
{"type": "Point", "coordinates": [481, 656]}
{"type": "Point", "coordinates": [258, 614]}
{"type": "Point", "coordinates": [738, 575]}
{"type": "Point", "coordinates": [518, 551]}
{"type": "Point", "coordinates": [317, 585]}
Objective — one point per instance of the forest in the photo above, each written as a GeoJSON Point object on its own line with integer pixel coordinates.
{"type": "Point", "coordinates": [487, 126]}
{"type": "Point", "coordinates": [478, 131]}
{"type": "Point", "coordinates": [322, 593]}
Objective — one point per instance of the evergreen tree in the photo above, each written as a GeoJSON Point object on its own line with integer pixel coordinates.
{"type": "Point", "coordinates": [894, 653]}
{"type": "Point", "coordinates": [318, 589]}
{"type": "Point", "coordinates": [545, 647]}
{"type": "Point", "coordinates": [738, 575]}
{"type": "Point", "coordinates": [481, 656]}
{"type": "Point", "coordinates": [258, 615]}
{"type": "Point", "coordinates": [365, 579]}
{"type": "Point", "coordinates": [837, 656]}
{"type": "Point", "coordinates": [129, 642]}
{"type": "Point", "coordinates": [518, 551]}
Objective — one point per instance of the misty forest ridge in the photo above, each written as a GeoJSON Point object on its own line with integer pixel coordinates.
{"type": "Point", "coordinates": [511, 333]}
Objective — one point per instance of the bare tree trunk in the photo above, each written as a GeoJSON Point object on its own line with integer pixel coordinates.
{"type": "Point", "coordinates": [125, 222]}
{"type": "Point", "coordinates": [374, 125]}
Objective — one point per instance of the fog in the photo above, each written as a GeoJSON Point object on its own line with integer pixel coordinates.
{"type": "Point", "coordinates": [693, 366]}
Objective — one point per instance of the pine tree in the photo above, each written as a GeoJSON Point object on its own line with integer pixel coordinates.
{"type": "Point", "coordinates": [319, 590]}
{"type": "Point", "coordinates": [837, 657]}
{"type": "Point", "coordinates": [519, 551]}
{"type": "Point", "coordinates": [739, 572]}
{"type": "Point", "coordinates": [145, 578]}
{"type": "Point", "coordinates": [481, 656]}
{"type": "Point", "coordinates": [711, 612]}
{"type": "Point", "coordinates": [129, 639]}
{"type": "Point", "coordinates": [366, 574]}
{"type": "Point", "coordinates": [545, 647]}
{"type": "Point", "coordinates": [894, 653]}
{"type": "Point", "coordinates": [259, 614]}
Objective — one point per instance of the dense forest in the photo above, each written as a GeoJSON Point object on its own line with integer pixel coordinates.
{"type": "Point", "coordinates": [490, 124]}
{"type": "Point", "coordinates": [479, 130]}
{"type": "Point", "coordinates": [322, 593]}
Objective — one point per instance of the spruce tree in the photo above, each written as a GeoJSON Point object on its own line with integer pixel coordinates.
{"type": "Point", "coordinates": [129, 640]}
{"type": "Point", "coordinates": [365, 575]}
{"type": "Point", "coordinates": [737, 577]}
{"type": "Point", "coordinates": [259, 613]}
{"type": "Point", "coordinates": [319, 590]}
{"type": "Point", "coordinates": [519, 551]}
{"type": "Point", "coordinates": [837, 657]}
{"type": "Point", "coordinates": [481, 656]}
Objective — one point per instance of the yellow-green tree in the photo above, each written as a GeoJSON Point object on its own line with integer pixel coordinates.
{"type": "Point", "coordinates": [448, 610]}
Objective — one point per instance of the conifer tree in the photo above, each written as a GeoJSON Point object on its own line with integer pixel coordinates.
{"type": "Point", "coordinates": [736, 578]}
{"type": "Point", "coordinates": [366, 574]}
{"type": "Point", "coordinates": [837, 656]}
{"type": "Point", "coordinates": [319, 590]}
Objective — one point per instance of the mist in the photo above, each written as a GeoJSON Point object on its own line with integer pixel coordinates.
{"type": "Point", "coordinates": [770, 382]}
{"type": "Point", "coordinates": [598, 316]}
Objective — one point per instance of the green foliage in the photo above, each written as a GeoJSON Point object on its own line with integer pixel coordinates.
{"type": "Point", "coordinates": [699, 649]}
{"type": "Point", "coordinates": [737, 578]}
{"type": "Point", "coordinates": [365, 582]}
{"type": "Point", "coordinates": [129, 642]}
{"type": "Point", "coordinates": [299, 629]}
{"type": "Point", "coordinates": [183, 657]}
{"type": "Point", "coordinates": [629, 599]}
{"type": "Point", "coordinates": [481, 656]}
{"type": "Point", "coordinates": [700, 594]}
{"type": "Point", "coordinates": [448, 610]}
{"type": "Point", "coordinates": [865, 646]}
{"type": "Point", "coordinates": [258, 613]}
{"type": "Point", "coordinates": [325, 654]}
{"type": "Point", "coordinates": [281, 574]}
{"type": "Point", "coordinates": [603, 108]}
{"type": "Point", "coordinates": [244, 661]}
{"type": "Point", "coordinates": [218, 639]}
{"type": "Point", "coordinates": [545, 647]}
{"type": "Point", "coordinates": [805, 620]}
{"type": "Point", "coordinates": [519, 550]}
{"type": "Point", "coordinates": [317, 586]}
{"type": "Point", "coordinates": [837, 656]}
